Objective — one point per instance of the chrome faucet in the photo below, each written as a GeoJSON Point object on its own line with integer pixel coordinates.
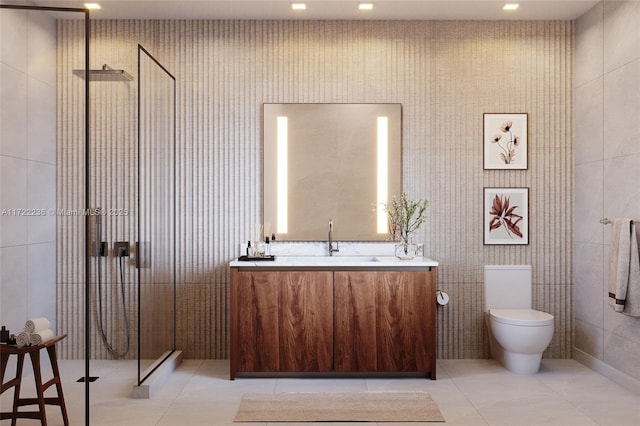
{"type": "Point", "coordinates": [331, 249]}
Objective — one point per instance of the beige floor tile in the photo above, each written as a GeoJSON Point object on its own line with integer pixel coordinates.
{"type": "Point", "coordinates": [320, 385]}
{"type": "Point", "coordinates": [468, 393]}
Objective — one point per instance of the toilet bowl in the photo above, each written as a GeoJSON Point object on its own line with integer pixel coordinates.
{"type": "Point", "coordinates": [518, 334]}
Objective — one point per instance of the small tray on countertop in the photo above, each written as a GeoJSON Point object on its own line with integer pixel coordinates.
{"type": "Point", "coordinates": [270, 258]}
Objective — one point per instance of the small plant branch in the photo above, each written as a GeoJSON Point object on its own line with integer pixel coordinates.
{"type": "Point", "coordinates": [405, 216]}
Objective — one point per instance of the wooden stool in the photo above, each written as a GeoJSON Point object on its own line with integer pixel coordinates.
{"type": "Point", "coordinates": [40, 400]}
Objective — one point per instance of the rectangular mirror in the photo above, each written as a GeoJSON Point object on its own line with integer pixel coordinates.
{"type": "Point", "coordinates": [330, 161]}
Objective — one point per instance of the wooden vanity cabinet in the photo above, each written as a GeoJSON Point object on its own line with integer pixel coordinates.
{"type": "Point", "coordinates": [333, 321]}
{"type": "Point", "coordinates": [384, 321]}
{"type": "Point", "coordinates": [281, 321]}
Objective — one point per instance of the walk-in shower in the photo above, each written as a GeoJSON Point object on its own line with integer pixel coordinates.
{"type": "Point", "coordinates": [100, 252]}
{"type": "Point", "coordinates": [133, 182]}
{"type": "Point", "coordinates": [74, 153]}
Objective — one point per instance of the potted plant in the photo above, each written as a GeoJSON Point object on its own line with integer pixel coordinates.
{"type": "Point", "coordinates": [405, 217]}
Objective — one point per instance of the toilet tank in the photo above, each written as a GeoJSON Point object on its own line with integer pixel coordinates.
{"type": "Point", "coordinates": [507, 286]}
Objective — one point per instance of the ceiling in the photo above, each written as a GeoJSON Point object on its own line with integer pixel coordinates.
{"type": "Point", "coordinates": [330, 9]}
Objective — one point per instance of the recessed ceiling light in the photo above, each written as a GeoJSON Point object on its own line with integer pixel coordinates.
{"type": "Point", "coordinates": [510, 6]}
{"type": "Point", "coordinates": [298, 6]}
{"type": "Point", "coordinates": [92, 6]}
{"type": "Point", "coordinates": [365, 6]}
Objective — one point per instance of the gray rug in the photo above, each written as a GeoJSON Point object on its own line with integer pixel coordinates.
{"type": "Point", "coordinates": [339, 407]}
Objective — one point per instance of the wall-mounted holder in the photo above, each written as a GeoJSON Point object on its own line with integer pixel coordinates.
{"type": "Point", "coordinates": [121, 249]}
{"type": "Point", "coordinates": [442, 298]}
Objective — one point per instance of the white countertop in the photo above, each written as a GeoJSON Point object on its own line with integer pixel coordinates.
{"type": "Point", "coordinates": [338, 262]}
{"type": "Point", "coordinates": [360, 255]}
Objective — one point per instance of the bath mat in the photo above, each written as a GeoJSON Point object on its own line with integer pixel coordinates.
{"type": "Point", "coordinates": [339, 407]}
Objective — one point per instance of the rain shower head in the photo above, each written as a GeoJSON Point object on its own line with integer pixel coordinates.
{"type": "Point", "coordinates": [105, 74]}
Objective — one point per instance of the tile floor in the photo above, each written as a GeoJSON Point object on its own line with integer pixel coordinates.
{"type": "Point", "coordinates": [468, 392]}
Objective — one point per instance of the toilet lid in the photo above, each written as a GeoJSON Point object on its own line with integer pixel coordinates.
{"type": "Point", "coordinates": [523, 317]}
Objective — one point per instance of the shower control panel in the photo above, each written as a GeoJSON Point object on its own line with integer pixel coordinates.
{"type": "Point", "coordinates": [121, 249]}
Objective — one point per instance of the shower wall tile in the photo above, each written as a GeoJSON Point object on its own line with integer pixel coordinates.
{"type": "Point", "coordinates": [588, 133]}
{"type": "Point", "coordinates": [41, 281]}
{"type": "Point", "coordinates": [13, 195]}
{"type": "Point", "coordinates": [13, 112]}
{"type": "Point", "coordinates": [41, 116]}
{"type": "Point", "coordinates": [621, 103]}
{"type": "Point", "coordinates": [621, 33]}
{"type": "Point", "coordinates": [41, 195]}
{"type": "Point", "coordinates": [589, 278]}
{"type": "Point", "coordinates": [13, 32]}
{"type": "Point", "coordinates": [72, 323]}
{"type": "Point", "coordinates": [27, 157]}
{"type": "Point", "coordinates": [588, 203]}
{"type": "Point", "coordinates": [41, 54]}
{"type": "Point", "coordinates": [13, 273]}
{"type": "Point", "coordinates": [589, 30]}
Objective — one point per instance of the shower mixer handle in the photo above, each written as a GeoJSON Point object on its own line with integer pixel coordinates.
{"type": "Point", "coordinates": [99, 248]}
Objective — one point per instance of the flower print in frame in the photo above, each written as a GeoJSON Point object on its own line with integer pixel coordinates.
{"type": "Point", "coordinates": [505, 141]}
{"type": "Point", "coordinates": [506, 216]}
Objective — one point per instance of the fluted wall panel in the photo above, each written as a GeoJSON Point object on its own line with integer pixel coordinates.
{"type": "Point", "coordinates": [70, 238]}
{"type": "Point", "coordinates": [446, 74]}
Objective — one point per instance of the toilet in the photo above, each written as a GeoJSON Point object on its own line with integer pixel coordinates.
{"type": "Point", "coordinates": [518, 334]}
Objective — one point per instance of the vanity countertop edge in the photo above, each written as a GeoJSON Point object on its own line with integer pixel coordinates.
{"type": "Point", "coordinates": [325, 262]}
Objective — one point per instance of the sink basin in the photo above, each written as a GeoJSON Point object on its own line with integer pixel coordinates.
{"type": "Point", "coordinates": [326, 259]}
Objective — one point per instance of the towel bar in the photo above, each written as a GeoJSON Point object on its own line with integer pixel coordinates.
{"type": "Point", "coordinates": [606, 221]}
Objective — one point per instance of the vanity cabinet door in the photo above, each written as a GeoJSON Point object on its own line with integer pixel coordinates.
{"type": "Point", "coordinates": [385, 321]}
{"type": "Point", "coordinates": [282, 321]}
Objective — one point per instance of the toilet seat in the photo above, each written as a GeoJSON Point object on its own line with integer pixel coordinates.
{"type": "Point", "coordinates": [521, 317]}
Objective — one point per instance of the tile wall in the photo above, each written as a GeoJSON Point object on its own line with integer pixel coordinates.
{"type": "Point", "coordinates": [446, 74]}
{"type": "Point", "coordinates": [607, 175]}
{"type": "Point", "coordinates": [27, 167]}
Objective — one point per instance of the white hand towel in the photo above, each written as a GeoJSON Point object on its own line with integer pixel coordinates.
{"type": "Point", "coordinates": [37, 324]}
{"type": "Point", "coordinates": [632, 303]}
{"type": "Point", "coordinates": [23, 339]}
{"type": "Point", "coordinates": [619, 263]}
{"type": "Point", "coordinates": [624, 268]}
{"type": "Point", "coordinates": [41, 337]}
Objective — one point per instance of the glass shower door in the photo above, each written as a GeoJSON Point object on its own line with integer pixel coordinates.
{"type": "Point", "coordinates": [156, 214]}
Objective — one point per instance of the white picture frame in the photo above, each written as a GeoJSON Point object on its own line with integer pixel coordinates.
{"type": "Point", "coordinates": [506, 216]}
{"type": "Point", "coordinates": [505, 141]}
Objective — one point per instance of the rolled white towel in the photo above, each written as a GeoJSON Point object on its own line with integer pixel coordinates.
{"type": "Point", "coordinates": [35, 325]}
{"type": "Point", "coordinates": [23, 339]}
{"type": "Point", "coordinates": [41, 337]}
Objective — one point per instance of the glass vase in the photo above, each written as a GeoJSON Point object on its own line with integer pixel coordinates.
{"type": "Point", "coordinates": [406, 250]}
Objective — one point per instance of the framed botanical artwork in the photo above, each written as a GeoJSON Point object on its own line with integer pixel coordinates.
{"type": "Point", "coordinates": [505, 141]}
{"type": "Point", "coordinates": [506, 216]}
